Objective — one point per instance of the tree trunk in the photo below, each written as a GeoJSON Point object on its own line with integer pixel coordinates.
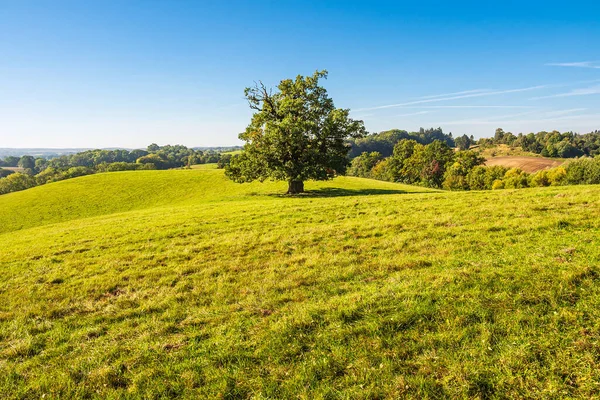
{"type": "Point", "coordinates": [295, 187]}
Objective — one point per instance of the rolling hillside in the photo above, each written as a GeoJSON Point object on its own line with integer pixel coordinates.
{"type": "Point", "coordinates": [527, 164]}
{"type": "Point", "coordinates": [159, 284]}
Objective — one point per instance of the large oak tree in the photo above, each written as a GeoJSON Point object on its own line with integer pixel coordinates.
{"type": "Point", "coordinates": [296, 134]}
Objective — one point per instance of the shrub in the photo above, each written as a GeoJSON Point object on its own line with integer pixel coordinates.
{"type": "Point", "coordinates": [382, 171]}
{"type": "Point", "coordinates": [455, 178]}
{"type": "Point", "coordinates": [498, 184]}
{"type": "Point", "coordinates": [16, 182]}
{"type": "Point", "coordinates": [515, 178]}
{"type": "Point", "coordinates": [493, 174]}
{"type": "Point", "coordinates": [557, 176]}
{"type": "Point", "coordinates": [363, 164]}
{"type": "Point", "coordinates": [476, 178]}
{"type": "Point", "coordinates": [583, 171]}
{"type": "Point", "coordinates": [540, 179]}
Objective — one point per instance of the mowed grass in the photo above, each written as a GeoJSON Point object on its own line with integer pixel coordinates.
{"type": "Point", "coordinates": [361, 289]}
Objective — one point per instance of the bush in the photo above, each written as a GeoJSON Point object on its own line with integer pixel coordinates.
{"type": "Point", "coordinates": [583, 171]}
{"type": "Point", "coordinates": [492, 174]}
{"type": "Point", "coordinates": [16, 182]}
{"type": "Point", "coordinates": [557, 176]}
{"type": "Point", "coordinates": [515, 178]}
{"type": "Point", "coordinates": [455, 178]}
{"type": "Point", "coordinates": [363, 164]}
{"type": "Point", "coordinates": [476, 178]}
{"type": "Point", "coordinates": [123, 166]}
{"type": "Point", "coordinates": [382, 171]}
{"type": "Point", "coordinates": [540, 179]}
{"type": "Point", "coordinates": [498, 184]}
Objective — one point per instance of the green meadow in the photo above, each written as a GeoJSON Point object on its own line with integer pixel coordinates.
{"type": "Point", "coordinates": [182, 284]}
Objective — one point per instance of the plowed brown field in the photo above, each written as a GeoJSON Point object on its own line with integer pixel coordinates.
{"type": "Point", "coordinates": [527, 164]}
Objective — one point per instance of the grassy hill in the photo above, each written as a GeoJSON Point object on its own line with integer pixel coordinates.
{"type": "Point", "coordinates": [159, 284]}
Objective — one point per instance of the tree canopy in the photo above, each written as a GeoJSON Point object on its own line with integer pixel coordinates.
{"type": "Point", "coordinates": [295, 134]}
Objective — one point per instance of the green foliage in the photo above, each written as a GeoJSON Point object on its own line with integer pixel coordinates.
{"type": "Point", "coordinates": [27, 162]}
{"type": "Point", "coordinates": [549, 144]}
{"type": "Point", "coordinates": [5, 172]}
{"type": "Point", "coordinates": [583, 171]}
{"type": "Point", "coordinates": [295, 134]}
{"type": "Point", "coordinates": [224, 161]}
{"type": "Point", "coordinates": [15, 182]}
{"type": "Point", "coordinates": [464, 142]}
{"type": "Point", "coordinates": [515, 178]}
{"type": "Point", "coordinates": [384, 142]}
{"type": "Point", "coordinates": [181, 284]}
{"type": "Point", "coordinates": [412, 162]}
{"type": "Point", "coordinates": [456, 176]}
{"type": "Point", "coordinates": [363, 164]}
{"type": "Point", "coordinates": [9, 161]}
{"type": "Point", "coordinates": [382, 170]}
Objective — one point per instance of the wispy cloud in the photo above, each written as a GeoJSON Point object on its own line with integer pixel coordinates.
{"type": "Point", "coordinates": [580, 64]}
{"type": "Point", "coordinates": [455, 93]}
{"type": "Point", "coordinates": [411, 114]}
{"type": "Point", "coordinates": [471, 106]}
{"type": "Point", "coordinates": [463, 96]}
{"type": "Point", "coordinates": [546, 116]}
{"type": "Point", "coordinates": [575, 92]}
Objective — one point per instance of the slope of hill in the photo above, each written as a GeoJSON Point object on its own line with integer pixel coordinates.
{"type": "Point", "coordinates": [179, 283]}
{"type": "Point", "coordinates": [527, 164]}
{"type": "Point", "coordinates": [115, 192]}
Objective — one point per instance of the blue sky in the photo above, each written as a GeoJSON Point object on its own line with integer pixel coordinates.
{"type": "Point", "coordinates": [128, 73]}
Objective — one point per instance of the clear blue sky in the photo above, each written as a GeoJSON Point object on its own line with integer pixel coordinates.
{"type": "Point", "coordinates": [128, 73]}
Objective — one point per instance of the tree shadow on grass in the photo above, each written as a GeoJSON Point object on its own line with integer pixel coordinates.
{"type": "Point", "coordinates": [339, 192]}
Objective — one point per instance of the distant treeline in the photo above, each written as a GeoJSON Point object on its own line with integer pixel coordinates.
{"type": "Point", "coordinates": [384, 142]}
{"type": "Point", "coordinates": [547, 144]}
{"type": "Point", "coordinates": [38, 171]}
{"type": "Point", "coordinates": [437, 165]}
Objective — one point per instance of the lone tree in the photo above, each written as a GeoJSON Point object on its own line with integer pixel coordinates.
{"type": "Point", "coordinates": [296, 134]}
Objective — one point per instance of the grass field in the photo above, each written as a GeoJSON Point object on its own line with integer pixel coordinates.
{"type": "Point", "coordinates": [162, 284]}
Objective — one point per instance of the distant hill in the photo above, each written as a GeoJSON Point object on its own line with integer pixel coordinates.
{"type": "Point", "coordinates": [50, 152]}
{"type": "Point", "coordinates": [47, 152]}
{"type": "Point", "coordinates": [527, 164]}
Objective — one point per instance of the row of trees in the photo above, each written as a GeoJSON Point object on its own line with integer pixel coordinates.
{"type": "Point", "coordinates": [162, 157]}
{"type": "Point", "coordinates": [384, 142]}
{"type": "Point", "coordinates": [549, 144]}
{"type": "Point", "coordinates": [38, 171]}
{"type": "Point", "coordinates": [432, 165]}
{"type": "Point", "coordinates": [436, 165]}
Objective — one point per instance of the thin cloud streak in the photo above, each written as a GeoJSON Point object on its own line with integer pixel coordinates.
{"type": "Point", "coordinates": [577, 118]}
{"type": "Point", "coordinates": [456, 97]}
{"type": "Point", "coordinates": [411, 114]}
{"type": "Point", "coordinates": [455, 93]}
{"type": "Point", "coordinates": [548, 116]}
{"type": "Point", "coordinates": [575, 92]}
{"type": "Point", "coordinates": [470, 106]}
{"type": "Point", "coordinates": [580, 64]}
